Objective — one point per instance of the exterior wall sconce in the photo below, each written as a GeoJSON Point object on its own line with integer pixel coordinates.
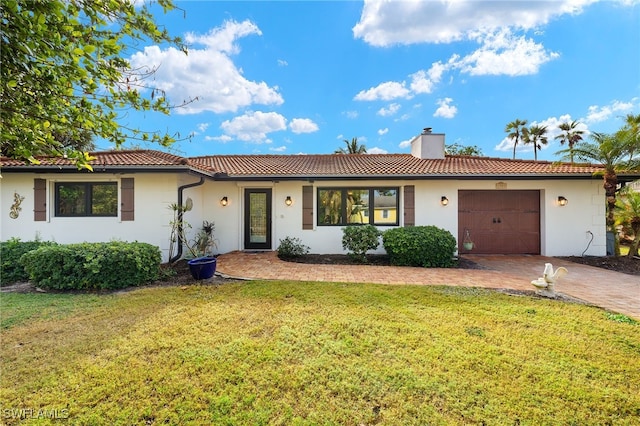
{"type": "Point", "coordinates": [224, 201]}
{"type": "Point", "coordinates": [288, 201]}
{"type": "Point", "coordinates": [562, 201]}
{"type": "Point", "coordinates": [444, 200]}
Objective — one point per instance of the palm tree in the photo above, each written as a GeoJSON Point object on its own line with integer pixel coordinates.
{"type": "Point", "coordinates": [630, 132]}
{"type": "Point", "coordinates": [537, 135]}
{"type": "Point", "coordinates": [513, 131]}
{"type": "Point", "coordinates": [629, 216]}
{"type": "Point", "coordinates": [571, 136]}
{"type": "Point", "coordinates": [353, 147]}
{"type": "Point", "coordinates": [611, 152]}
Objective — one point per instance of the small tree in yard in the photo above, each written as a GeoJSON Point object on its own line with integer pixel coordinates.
{"type": "Point", "coordinates": [628, 216]}
{"type": "Point", "coordinates": [359, 239]}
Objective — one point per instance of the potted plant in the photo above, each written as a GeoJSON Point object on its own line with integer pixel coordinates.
{"type": "Point", "coordinates": [201, 248]}
{"type": "Point", "coordinates": [467, 243]}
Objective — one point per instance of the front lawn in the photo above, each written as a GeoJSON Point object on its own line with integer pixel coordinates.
{"type": "Point", "coordinates": [315, 353]}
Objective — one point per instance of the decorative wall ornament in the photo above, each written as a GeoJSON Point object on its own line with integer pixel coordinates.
{"type": "Point", "coordinates": [15, 208]}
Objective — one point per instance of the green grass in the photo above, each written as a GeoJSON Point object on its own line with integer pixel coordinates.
{"type": "Point", "coordinates": [295, 353]}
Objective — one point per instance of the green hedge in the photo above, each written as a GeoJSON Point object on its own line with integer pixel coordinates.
{"type": "Point", "coordinates": [11, 251]}
{"type": "Point", "coordinates": [93, 266]}
{"type": "Point", "coordinates": [427, 246]}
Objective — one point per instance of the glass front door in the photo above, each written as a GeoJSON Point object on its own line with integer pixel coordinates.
{"type": "Point", "coordinates": [257, 219]}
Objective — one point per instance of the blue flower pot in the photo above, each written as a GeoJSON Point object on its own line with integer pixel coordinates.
{"type": "Point", "coordinates": [202, 268]}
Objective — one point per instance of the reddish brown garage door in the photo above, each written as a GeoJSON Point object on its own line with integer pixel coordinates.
{"type": "Point", "coordinates": [500, 222]}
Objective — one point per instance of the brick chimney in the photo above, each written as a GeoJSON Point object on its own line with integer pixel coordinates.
{"type": "Point", "coordinates": [428, 145]}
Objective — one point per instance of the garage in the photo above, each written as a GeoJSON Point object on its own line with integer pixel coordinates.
{"type": "Point", "coordinates": [499, 222]}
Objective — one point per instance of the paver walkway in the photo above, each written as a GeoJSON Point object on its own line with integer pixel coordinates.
{"type": "Point", "coordinates": [610, 290]}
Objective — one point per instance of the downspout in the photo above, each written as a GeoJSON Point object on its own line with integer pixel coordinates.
{"type": "Point", "coordinates": [180, 213]}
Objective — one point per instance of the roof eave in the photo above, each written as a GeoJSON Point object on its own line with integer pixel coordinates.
{"type": "Point", "coordinates": [536, 176]}
{"type": "Point", "coordinates": [98, 168]}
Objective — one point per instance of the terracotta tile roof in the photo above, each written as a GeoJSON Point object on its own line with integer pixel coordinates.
{"type": "Point", "coordinates": [133, 159]}
{"type": "Point", "coordinates": [317, 166]}
{"type": "Point", "coordinates": [383, 165]}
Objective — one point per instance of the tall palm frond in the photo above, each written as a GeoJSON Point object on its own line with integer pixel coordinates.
{"type": "Point", "coordinates": [513, 131]}
{"type": "Point", "coordinates": [536, 135]}
{"type": "Point", "coordinates": [353, 147]}
{"type": "Point", "coordinates": [611, 153]}
{"type": "Point", "coordinates": [571, 136]}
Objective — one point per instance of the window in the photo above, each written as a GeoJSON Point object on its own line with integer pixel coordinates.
{"type": "Point", "coordinates": [348, 206]}
{"type": "Point", "coordinates": [86, 199]}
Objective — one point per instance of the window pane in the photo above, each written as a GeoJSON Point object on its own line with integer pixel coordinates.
{"type": "Point", "coordinates": [357, 204]}
{"type": "Point", "coordinates": [258, 217]}
{"type": "Point", "coordinates": [104, 199]}
{"type": "Point", "coordinates": [329, 207]}
{"type": "Point", "coordinates": [71, 199]}
{"type": "Point", "coordinates": [385, 206]}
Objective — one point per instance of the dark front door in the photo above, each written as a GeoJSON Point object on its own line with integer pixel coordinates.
{"type": "Point", "coordinates": [257, 219]}
{"type": "Point", "coordinates": [499, 222]}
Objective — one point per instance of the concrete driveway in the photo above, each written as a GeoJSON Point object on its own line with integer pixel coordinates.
{"type": "Point", "coordinates": [610, 290]}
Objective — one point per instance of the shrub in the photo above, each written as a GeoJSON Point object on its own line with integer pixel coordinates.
{"type": "Point", "coordinates": [93, 266]}
{"type": "Point", "coordinates": [427, 246]}
{"type": "Point", "coordinates": [290, 248]}
{"type": "Point", "coordinates": [11, 251]}
{"type": "Point", "coordinates": [359, 239]}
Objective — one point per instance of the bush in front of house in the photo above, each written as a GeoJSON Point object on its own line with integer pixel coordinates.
{"type": "Point", "coordinates": [291, 248]}
{"type": "Point", "coordinates": [93, 266]}
{"type": "Point", "coordinates": [359, 239]}
{"type": "Point", "coordinates": [11, 271]}
{"type": "Point", "coordinates": [426, 246]}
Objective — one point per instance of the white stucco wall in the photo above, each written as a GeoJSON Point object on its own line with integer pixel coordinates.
{"type": "Point", "coordinates": [153, 194]}
{"type": "Point", "coordinates": [563, 229]}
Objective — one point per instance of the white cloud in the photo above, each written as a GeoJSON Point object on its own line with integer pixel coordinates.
{"type": "Point", "coordinates": [424, 81]}
{"type": "Point", "coordinates": [254, 126]}
{"type": "Point", "coordinates": [303, 125]}
{"type": "Point", "coordinates": [207, 72]}
{"type": "Point", "coordinates": [202, 126]}
{"type": "Point", "coordinates": [376, 150]}
{"type": "Point", "coordinates": [597, 114]}
{"type": "Point", "coordinates": [391, 110]}
{"type": "Point", "coordinates": [445, 109]}
{"type": "Point", "coordinates": [383, 131]}
{"type": "Point", "coordinates": [387, 23]}
{"type": "Point", "coordinates": [221, 138]}
{"type": "Point", "coordinates": [405, 144]}
{"type": "Point", "coordinates": [384, 91]}
{"type": "Point", "coordinates": [278, 149]}
{"type": "Point", "coordinates": [502, 53]}
{"type": "Point", "coordinates": [282, 63]}
{"type": "Point", "coordinates": [351, 114]}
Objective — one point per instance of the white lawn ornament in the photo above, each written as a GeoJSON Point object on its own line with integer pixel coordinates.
{"type": "Point", "coordinates": [546, 283]}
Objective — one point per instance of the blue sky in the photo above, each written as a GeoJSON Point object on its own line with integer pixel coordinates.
{"type": "Point", "coordinates": [299, 77]}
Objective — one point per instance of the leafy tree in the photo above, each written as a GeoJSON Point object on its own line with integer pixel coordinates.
{"type": "Point", "coordinates": [64, 77]}
{"type": "Point", "coordinates": [613, 154]}
{"type": "Point", "coordinates": [457, 149]}
{"type": "Point", "coordinates": [630, 133]}
{"type": "Point", "coordinates": [628, 216]}
{"type": "Point", "coordinates": [571, 136]}
{"type": "Point", "coordinates": [514, 131]}
{"type": "Point", "coordinates": [536, 135]}
{"type": "Point", "coordinates": [77, 141]}
{"type": "Point", "coordinates": [353, 147]}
